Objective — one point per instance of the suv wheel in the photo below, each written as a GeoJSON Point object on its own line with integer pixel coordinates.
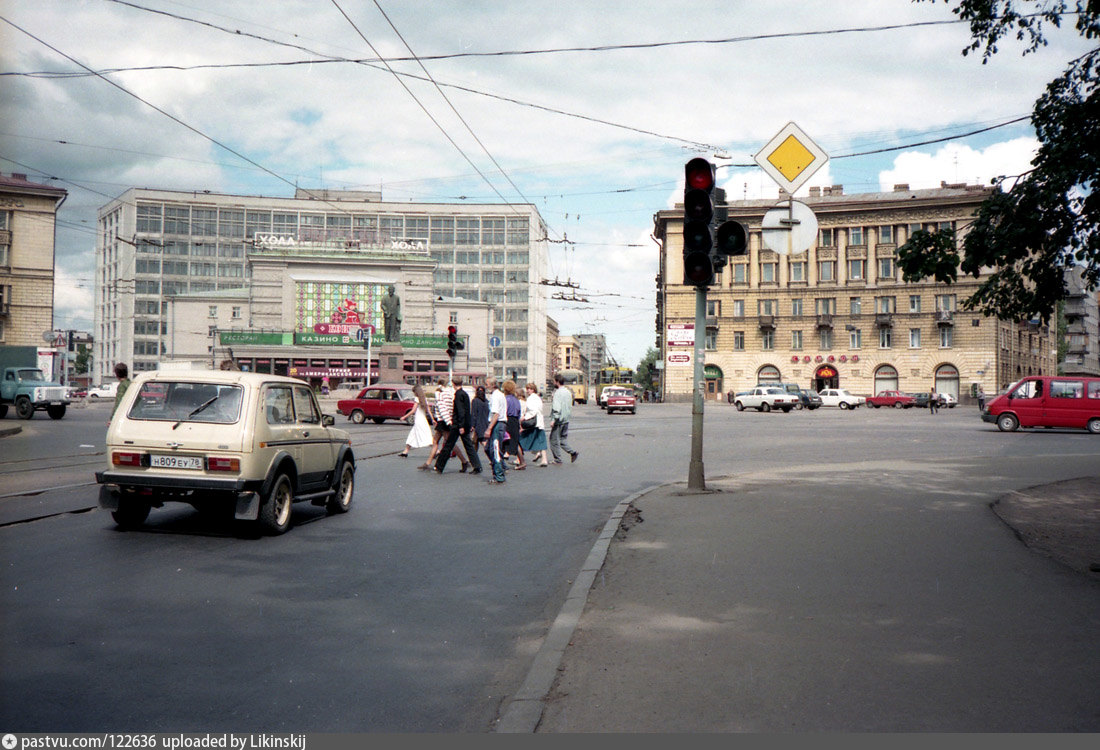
{"type": "Point", "coordinates": [275, 511]}
{"type": "Point", "coordinates": [345, 489]}
{"type": "Point", "coordinates": [131, 513]}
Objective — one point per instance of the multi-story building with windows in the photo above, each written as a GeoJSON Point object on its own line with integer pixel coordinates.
{"type": "Point", "coordinates": [594, 348]}
{"type": "Point", "coordinates": [28, 213]}
{"type": "Point", "coordinates": [1082, 315]}
{"type": "Point", "coordinates": [838, 314]}
{"type": "Point", "coordinates": [305, 261]}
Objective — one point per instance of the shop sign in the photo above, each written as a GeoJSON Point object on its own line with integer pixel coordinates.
{"type": "Point", "coordinates": [681, 334]}
{"type": "Point", "coordinates": [255, 338]}
{"type": "Point", "coordinates": [679, 358]}
{"type": "Point", "coordinates": [826, 372]}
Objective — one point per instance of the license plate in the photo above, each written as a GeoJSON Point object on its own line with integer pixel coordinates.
{"type": "Point", "coordinates": [175, 462]}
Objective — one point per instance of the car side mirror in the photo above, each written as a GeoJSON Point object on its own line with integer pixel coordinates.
{"type": "Point", "coordinates": [328, 420]}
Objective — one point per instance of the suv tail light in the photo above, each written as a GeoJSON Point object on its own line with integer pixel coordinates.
{"type": "Point", "coordinates": [218, 463]}
{"type": "Point", "coordinates": [120, 458]}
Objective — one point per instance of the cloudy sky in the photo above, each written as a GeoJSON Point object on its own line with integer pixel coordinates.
{"type": "Point", "coordinates": [586, 109]}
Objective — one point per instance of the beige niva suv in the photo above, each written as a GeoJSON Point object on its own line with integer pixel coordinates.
{"type": "Point", "coordinates": [249, 442]}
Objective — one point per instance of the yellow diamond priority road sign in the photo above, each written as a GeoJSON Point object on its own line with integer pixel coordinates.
{"type": "Point", "coordinates": [791, 158]}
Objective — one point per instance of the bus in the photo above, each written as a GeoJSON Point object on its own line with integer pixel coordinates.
{"type": "Point", "coordinates": [575, 381]}
{"type": "Point", "coordinates": [612, 375]}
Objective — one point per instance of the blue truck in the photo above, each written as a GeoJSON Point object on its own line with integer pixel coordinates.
{"type": "Point", "coordinates": [25, 387]}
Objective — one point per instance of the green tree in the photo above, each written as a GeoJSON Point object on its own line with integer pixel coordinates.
{"type": "Point", "coordinates": [1036, 225]}
{"type": "Point", "coordinates": [646, 373]}
{"type": "Point", "coordinates": [83, 359]}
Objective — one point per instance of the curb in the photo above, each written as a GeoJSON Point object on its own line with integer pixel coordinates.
{"type": "Point", "coordinates": [523, 712]}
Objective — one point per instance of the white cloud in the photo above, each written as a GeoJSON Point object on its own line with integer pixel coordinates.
{"type": "Point", "coordinates": [956, 162]}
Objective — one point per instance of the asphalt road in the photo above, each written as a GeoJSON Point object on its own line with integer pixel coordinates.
{"type": "Point", "coordinates": [421, 610]}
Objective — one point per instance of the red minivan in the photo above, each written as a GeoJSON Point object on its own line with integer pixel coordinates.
{"type": "Point", "coordinates": [1047, 401]}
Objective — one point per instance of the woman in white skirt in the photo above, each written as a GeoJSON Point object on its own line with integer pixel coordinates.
{"type": "Point", "coordinates": [420, 436]}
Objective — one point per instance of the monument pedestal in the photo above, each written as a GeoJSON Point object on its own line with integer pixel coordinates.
{"type": "Point", "coordinates": [391, 363]}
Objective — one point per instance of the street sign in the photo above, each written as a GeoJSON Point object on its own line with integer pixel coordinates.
{"type": "Point", "coordinates": [791, 158]}
{"type": "Point", "coordinates": [494, 341]}
{"type": "Point", "coordinates": [789, 229]}
{"type": "Point", "coordinates": [679, 358]}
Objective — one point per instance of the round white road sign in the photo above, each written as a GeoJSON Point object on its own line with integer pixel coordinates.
{"type": "Point", "coordinates": [788, 230]}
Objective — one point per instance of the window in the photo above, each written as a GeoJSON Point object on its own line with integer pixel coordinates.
{"type": "Point", "coordinates": [236, 313]}
{"type": "Point", "coordinates": [711, 339]}
{"type": "Point", "coordinates": [911, 229]}
{"type": "Point", "coordinates": [857, 236]}
{"type": "Point", "coordinates": [740, 273]}
{"type": "Point", "coordinates": [517, 233]}
{"type": "Point", "coordinates": [796, 339]}
{"type": "Point", "coordinates": [739, 341]}
{"type": "Point", "coordinates": [855, 339]}
{"type": "Point", "coordinates": [212, 311]}
{"type": "Point", "coordinates": [769, 306]}
{"type": "Point", "coordinates": [767, 272]}
{"type": "Point", "coordinates": [825, 305]}
{"type": "Point", "coordinates": [492, 232]}
{"type": "Point", "coordinates": [796, 308]}
{"type": "Point", "coordinates": [231, 223]}
{"type": "Point", "coordinates": [945, 303]}
{"type": "Point", "coordinates": [1067, 388]}
{"type": "Point", "coordinates": [826, 238]}
{"type": "Point", "coordinates": [855, 306]}
{"type": "Point", "coordinates": [177, 220]}
{"type": "Point", "coordinates": [443, 231]}
{"type": "Point", "coordinates": [798, 270]}
{"type": "Point", "coordinates": [886, 235]}
{"type": "Point", "coordinates": [149, 218]}
{"type": "Point", "coordinates": [914, 338]}
{"type": "Point", "coordinates": [826, 270]}
{"type": "Point", "coordinates": [767, 340]}
{"type": "Point", "coordinates": [886, 305]}
{"type": "Point", "coordinates": [914, 303]}
{"type": "Point", "coordinates": [826, 339]}
{"type": "Point", "coordinates": [739, 308]}
{"type": "Point", "coordinates": [885, 338]}
{"type": "Point", "coordinates": [886, 268]}
{"type": "Point", "coordinates": [857, 269]}
{"type": "Point", "coordinates": [204, 222]}
{"type": "Point", "coordinates": [714, 308]}
{"type": "Point", "coordinates": [947, 337]}
{"type": "Point", "coordinates": [467, 231]}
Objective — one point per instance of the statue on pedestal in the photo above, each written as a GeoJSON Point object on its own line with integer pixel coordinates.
{"type": "Point", "coordinates": [391, 315]}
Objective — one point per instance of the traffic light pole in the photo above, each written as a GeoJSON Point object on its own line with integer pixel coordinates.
{"type": "Point", "coordinates": [696, 477]}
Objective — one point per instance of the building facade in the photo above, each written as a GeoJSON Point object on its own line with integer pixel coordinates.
{"type": "Point", "coordinates": [838, 314]}
{"type": "Point", "coordinates": [28, 214]}
{"type": "Point", "coordinates": [310, 273]}
{"type": "Point", "coordinates": [594, 348]}
{"type": "Point", "coordinates": [1082, 315]}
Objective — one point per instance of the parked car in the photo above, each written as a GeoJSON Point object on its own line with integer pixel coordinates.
{"type": "Point", "coordinates": [378, 403]}
{"type": "Point", "coordinates": [805, 400]}
{"type": "Point", "coordinates": [896, 399]}
{"type": "Point", "coordinates": [947, 400]}
{"type": "Point", "coordinates": [840, 398]}
{"type": "Point", "coordinates": [249, 443]}
{"type": "Point", "coordinates": [78, 391]}
{"type": "Point", "coordinates": [1047, 401]}
{"type": "Point", "coordinates": [766, 398]}
{"type": "Point", "coordinates": [108, 390]}
{"type": "Point", "coordinates": [921, 400]}
{"type": "Point", "coordinates": [618, 398]}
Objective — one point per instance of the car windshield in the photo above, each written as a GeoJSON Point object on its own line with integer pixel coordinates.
{"type": "Point", "coordinates": [188, 402]}
{"type": "Point", "coordinates": [30, 375]}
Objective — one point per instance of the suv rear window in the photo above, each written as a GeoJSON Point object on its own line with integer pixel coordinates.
{"type": "Point", "coordinates": [188, 402]}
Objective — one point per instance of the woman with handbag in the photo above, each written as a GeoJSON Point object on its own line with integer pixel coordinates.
{"type": "Point", "coordinates": [515, 409]}
{"type": "Point", "coordinates": [532, 436]}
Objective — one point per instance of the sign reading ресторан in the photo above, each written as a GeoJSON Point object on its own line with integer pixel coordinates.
{"type": "Point", "coordinates": [270, 241]}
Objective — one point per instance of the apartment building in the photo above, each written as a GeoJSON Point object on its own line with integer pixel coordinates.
{"type": "Point", "coordinates": [838, 314]}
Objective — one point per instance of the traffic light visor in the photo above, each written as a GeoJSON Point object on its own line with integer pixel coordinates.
{"type": "Point", "coordinates": [699, 175]}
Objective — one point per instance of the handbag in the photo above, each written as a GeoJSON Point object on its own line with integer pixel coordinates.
{"type": "Point", "coordinates": [529, 424]}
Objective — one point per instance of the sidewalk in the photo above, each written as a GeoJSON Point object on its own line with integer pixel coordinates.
{"type": "Point", "coordinates": [809, 604]}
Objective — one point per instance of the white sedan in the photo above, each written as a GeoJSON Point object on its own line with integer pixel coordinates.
{"type": "Point", "coordinates": [840, 397]}
{"type": "Point", "coordinates": [766, 398]}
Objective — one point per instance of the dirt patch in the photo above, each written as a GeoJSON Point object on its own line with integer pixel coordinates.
{"type": "Point", "coordinates": [631, 518]}
{"type": "Point", "coordinates": [1060, 520]}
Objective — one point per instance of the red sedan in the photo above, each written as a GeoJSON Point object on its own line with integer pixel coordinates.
{"type": "Point", "coordinates": [378, 403]}
{"type": "Point", "coordinates": [896, 399]}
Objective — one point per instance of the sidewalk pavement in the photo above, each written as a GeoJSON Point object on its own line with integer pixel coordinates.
{"type": "Point", "coordinates": [805, 604]}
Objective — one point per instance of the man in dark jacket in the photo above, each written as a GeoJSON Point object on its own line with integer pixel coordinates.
{"type": "Point", "coordinates": [461, 428]}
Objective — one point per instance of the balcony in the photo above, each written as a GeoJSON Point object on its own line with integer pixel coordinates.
{"type": "Point", "coordinates": [884, 320]}
{"type": "Point", "coordinates": [825, 320]}
{"type": "Point", "coordinates": [767, 322]}
{"type": "Point", "coordinates": [945, 318]}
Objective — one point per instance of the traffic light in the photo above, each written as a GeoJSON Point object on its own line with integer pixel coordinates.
{"type": "Point", "coordinates": [731, 240]}
{"type": "Point", "coordinates": [453, 343]}
{"type": "Point", "coordinates": [699, 179]}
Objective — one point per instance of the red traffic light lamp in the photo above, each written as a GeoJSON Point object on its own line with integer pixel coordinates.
{"type": "Point", "coordinates": [699, 181]}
